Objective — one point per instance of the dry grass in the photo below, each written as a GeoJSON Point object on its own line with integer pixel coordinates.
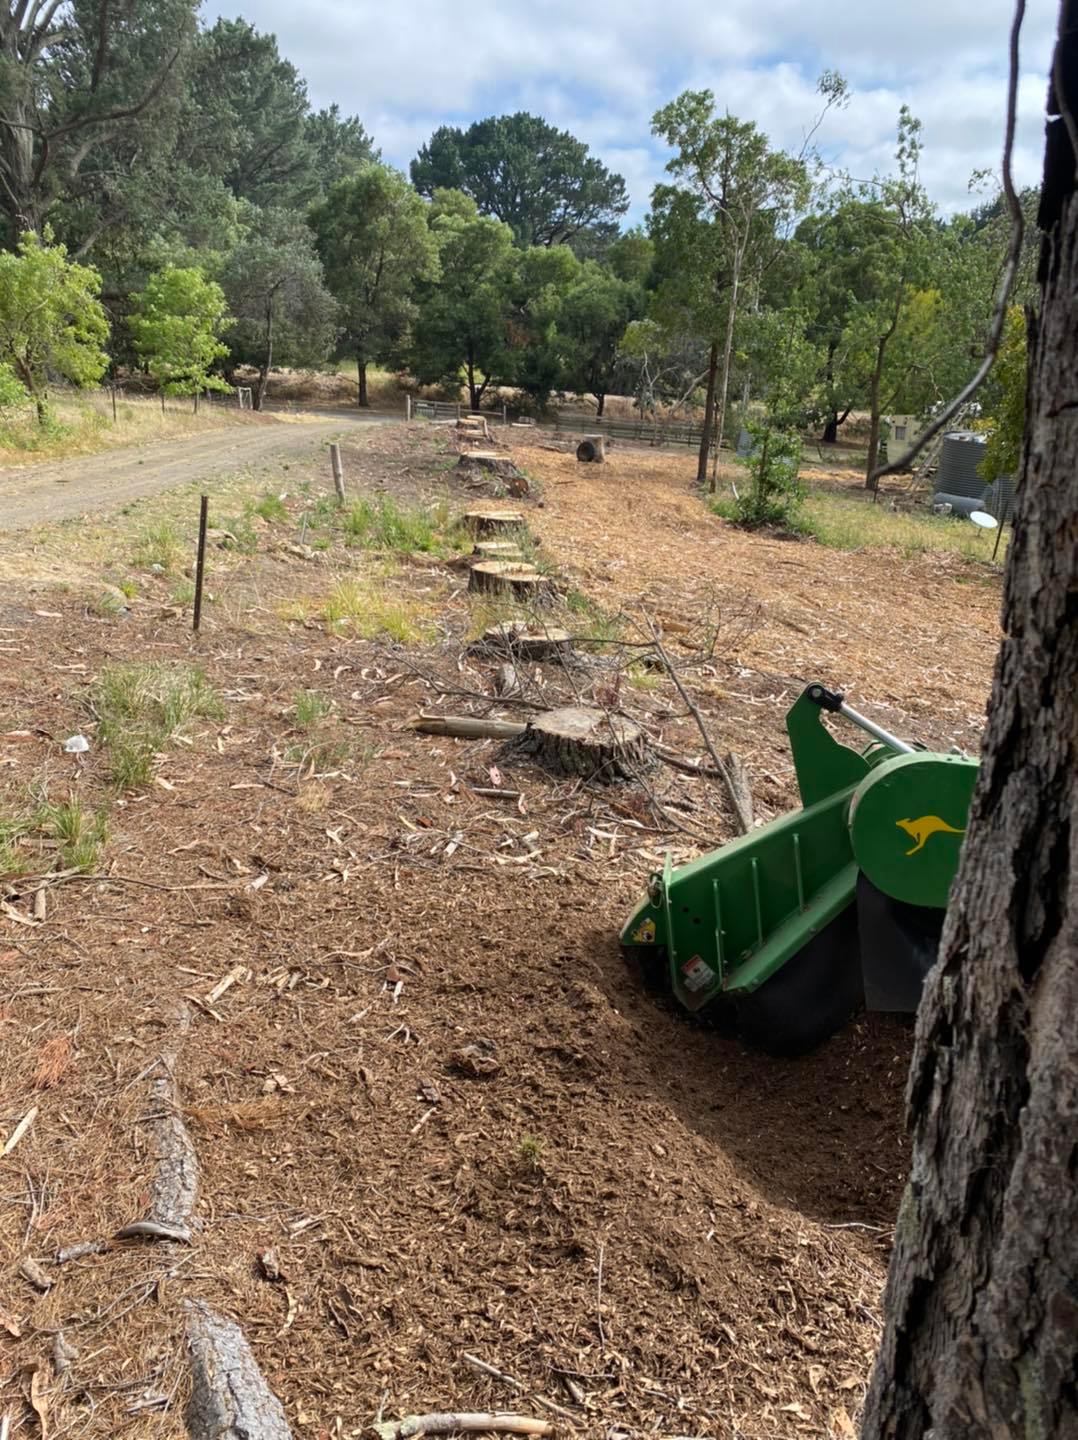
{"type": "Point", "coordinates": [83, 425]}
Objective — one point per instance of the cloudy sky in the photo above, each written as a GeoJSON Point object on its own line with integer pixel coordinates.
{"type": "Point", "coordinates": [600, 68]}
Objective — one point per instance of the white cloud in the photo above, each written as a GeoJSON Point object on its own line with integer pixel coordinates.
{"type": "Point", "coordinates": [601, 69]}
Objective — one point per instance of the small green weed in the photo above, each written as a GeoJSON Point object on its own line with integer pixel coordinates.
{"type": "Point", "coordinates": [159, 549]}
{"type": "Point", "coordinates": [531, 1149]}
{"type": "Point", "coordinates": [271, 508]}
{"type": "Point", "coordinates": [311, 707]}
{"type": "Point", "coordinates": [80, 832]}
{"type": "Point", "coordinates": [244, 535]}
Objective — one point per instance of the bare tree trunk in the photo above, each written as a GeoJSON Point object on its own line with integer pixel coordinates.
{"type": "Point", "coordinates": [874, 393]}
{"type": "Point", "coordinates": [267, 362]}
{"type": "Point", "coordinates": [982, 1297]}
{"type": "Point", "coordinates": [709, 415]}
{"type": "Point", "coordinates": [727, 355]}
{"type": "Point", "coordinates": [361, 368]}
{"type": "Point", "coordinates": [600, 404]}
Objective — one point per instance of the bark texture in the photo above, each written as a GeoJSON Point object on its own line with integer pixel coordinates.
{"type": "Point", "coordinates": [982, 1297]}
{"type": "Point", "coordinates": [577, 740]}
{"type": "Point", "coordinates": [230, 1399]}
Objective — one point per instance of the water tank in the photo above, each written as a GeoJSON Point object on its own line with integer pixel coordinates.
{"type": "Point", "coordinates": [961, 453]}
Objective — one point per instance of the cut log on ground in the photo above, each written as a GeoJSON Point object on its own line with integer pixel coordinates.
{"type": "Point", "coordinates": [482, 523]}
{"type": "Point", "coordinates": [592, 449]}
{"type": "Point", "coordinates": [526, 640]}
{"type": "Point", "coordinates": [229, 1398]}
{"type": "Point", "coordinates": [474, 427]}
{"type": "Point", "coordinates": [579, 740]}
{"type": "Point", "coordinates": [510, 577]}
{"type": "Point", "coordinates": [497, 550]}
{"type": "Point", "coordinates": [485, 465]}
{"type": "Point", "coordinates": [467, 727]}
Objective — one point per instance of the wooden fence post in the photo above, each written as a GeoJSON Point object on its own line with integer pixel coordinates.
{"type": "Point", "coordinates": [407, 407]}
{"type": "Point", "coordinates": [338, 471]}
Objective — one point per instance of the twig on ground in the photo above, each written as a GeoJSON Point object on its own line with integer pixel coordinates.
{"type": "Point", "coordinates": [599, 1296]}
{"type": "Point", "coordinates": [495, 1374]}
{"type": "Point", "coordinates": [733, 789]}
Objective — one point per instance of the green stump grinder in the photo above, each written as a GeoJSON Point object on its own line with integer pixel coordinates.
{"type": "Point", "coordinates": [788, 930]}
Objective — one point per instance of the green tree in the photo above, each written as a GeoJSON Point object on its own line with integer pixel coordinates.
{"type": "Point", "coordinates": [376, 247]}
{"type": "Point", "coordinates": [541, 182]}
{"type": "Point", "coordinates": [77, 78]}
{"type": "Point", "coordinates": [597, 308]}
{"type": "Point", "coordinates": [51, 320]}
{"type": "Point", "coordinates": [732, 187]}
{"type": "Point", "coordinates": [1007, 422]}
{"type": "Point", "coordinates": [274, 286]}
{"type": "Point", "coordinates": [463, 320]}
{"type": "Point", "coordinates": [338, 146]}
{"type": "Point", "coordinates": [177, 330]}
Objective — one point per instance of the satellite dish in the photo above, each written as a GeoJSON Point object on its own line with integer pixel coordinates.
{"type": "Point", "coordinates": [984, 520]}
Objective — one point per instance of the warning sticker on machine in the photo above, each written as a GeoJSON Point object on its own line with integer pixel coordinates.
{"type": "Point", "coordinates": [697, 973]}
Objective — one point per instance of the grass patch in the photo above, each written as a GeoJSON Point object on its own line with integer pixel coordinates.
{"type": "Point", "coordinates": [271, 508]}
{"type": "Point", "coordinates": [244, 535]}
{"type": "Point", "coordinates": [850, 523]}
{"type": "Point", "coordinates": [385, 525]}
{"type": "Point", "coordinates": [80, 832]}
{"type": "Point", "coordinates": [159, 549]}
{"type": "Point", "coordinates": [359, 607]}
{"type": "Point", "coordinates": [77, 832]}
{"type": "Point", "coordinates": [311, 707]}
{"type": "Point", "coordinates": [140, 708]}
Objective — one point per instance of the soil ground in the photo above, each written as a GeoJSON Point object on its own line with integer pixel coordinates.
{"type": "Point", "coordinates": [433, 1090]}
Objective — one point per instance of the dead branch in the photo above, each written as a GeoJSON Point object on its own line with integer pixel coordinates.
{"type": "Point", "coordinates": [1006, 284]}
{"type": "Point", "coordinates": [735, 791]}
{"type": "Point", "coordinates": [495, 1374]}
{"type": "Point", "coordinates": [446, 1423]}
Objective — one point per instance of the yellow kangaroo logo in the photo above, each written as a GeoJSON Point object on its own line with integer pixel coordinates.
{"type": "Point", "coordinates": [923, 829]}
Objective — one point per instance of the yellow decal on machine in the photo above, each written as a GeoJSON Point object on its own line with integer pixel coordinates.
{"type": "Point", "coordinates": [644, 934]}
{"type": "Point", "coordinates": [923, 829]}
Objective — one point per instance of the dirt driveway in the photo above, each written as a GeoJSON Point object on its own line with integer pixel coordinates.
{"type": "Point", "coordinates": [41, 494]}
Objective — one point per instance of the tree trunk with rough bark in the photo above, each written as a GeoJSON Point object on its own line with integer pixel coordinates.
{"type": "Point", "coordinates": [709, 415]}
{"type": "Point", "coordinates": [981, 1341]}
{"type": "Point", "coordinates": [361, 370]}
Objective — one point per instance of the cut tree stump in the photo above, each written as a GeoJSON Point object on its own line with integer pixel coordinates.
{"type": "Point", "coordinates": [592, 448]}
{"type": "Point", "coordinates": [527, 641]}
{"type": "Point", "coordinates": [510, 577]}
{"type": "Point", "coordinates": [497, 550]}
{"type": "Point", "coordinates": [492, 522]}
{"type": "Point", "coordinates": [485, 465]}
{"type": "Point", "coordinates": [579, 740]}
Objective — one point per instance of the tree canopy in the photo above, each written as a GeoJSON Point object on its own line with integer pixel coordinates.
{"type": "Point", "coordinates": [541, 182]}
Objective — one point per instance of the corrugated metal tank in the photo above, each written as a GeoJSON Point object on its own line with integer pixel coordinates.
{"type": "Point", "coordinates": [961, 453]}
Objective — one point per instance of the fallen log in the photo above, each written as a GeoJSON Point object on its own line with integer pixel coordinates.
{"type": "Point", "coordinates": [174, 1189]}
{"type": "Point", "coordinates": [230, 1399]}
{"type": "Point", "coordinates": [592, 449]}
